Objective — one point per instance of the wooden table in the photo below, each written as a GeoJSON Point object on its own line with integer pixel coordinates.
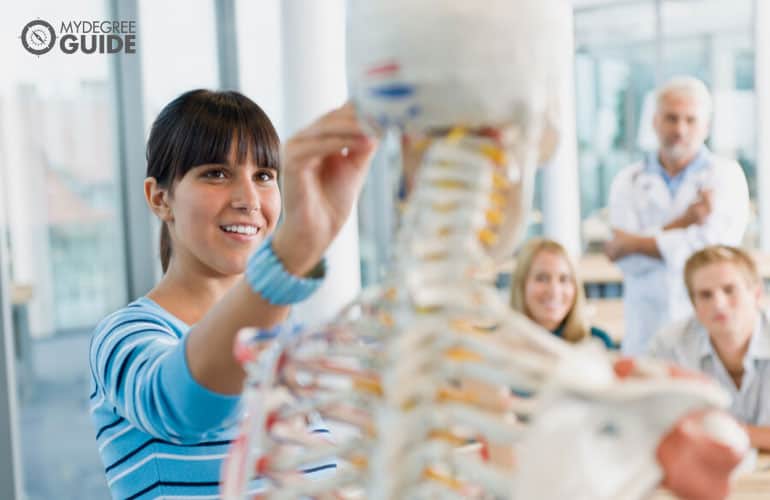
{"type": "Point", "coordinates": [596, 268]}
{"type": "Point", "coordinates": [752, 486]}
{"type": "Point", "coordinates": [607, 314]}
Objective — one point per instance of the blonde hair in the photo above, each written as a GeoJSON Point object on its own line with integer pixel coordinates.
{"type": "Point", "coordinates": [686, 85]}
{"type": "Point", "coordinates": [720, 253]}
{"type": "Point", "coordinates": [575, 325]}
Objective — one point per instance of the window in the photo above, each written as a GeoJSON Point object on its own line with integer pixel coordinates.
{"type": "Point", "coordinates": [62, 202]}
{"type": "Point", "coordinates": [622, 53]}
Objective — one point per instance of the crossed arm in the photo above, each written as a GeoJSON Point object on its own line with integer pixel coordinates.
{"type": "Point", "coordinates": [626, 243]}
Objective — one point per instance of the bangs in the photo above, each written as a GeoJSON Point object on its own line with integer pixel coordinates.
{"type": "Point", "coordinates": [217, 124]}
{"type": "Point", "coordinates": [200, 127]}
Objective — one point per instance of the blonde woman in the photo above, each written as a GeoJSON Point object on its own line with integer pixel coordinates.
{"type": "Point", "coordinates": [546, 289]}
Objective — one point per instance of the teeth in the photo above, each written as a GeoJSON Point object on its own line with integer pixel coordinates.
{"type": "Point", "coordinates": [248, 230]}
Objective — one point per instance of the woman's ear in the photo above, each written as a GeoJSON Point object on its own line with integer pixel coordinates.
{"type": "Point", "coordinates": [157, 199]}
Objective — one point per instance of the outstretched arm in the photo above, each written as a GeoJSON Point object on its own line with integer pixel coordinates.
{"type": "Point", "coordinates": [323, 169]}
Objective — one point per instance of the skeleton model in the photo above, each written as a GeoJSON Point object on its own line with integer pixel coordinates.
{"type": "Point", "coordinates": [415, 378]}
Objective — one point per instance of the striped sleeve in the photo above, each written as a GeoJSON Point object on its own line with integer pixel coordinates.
{"type": "Point", "coordinates": [139, 365]}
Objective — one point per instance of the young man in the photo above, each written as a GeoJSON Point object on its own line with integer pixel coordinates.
{"type": "Point", "coordinates": [729, 337]}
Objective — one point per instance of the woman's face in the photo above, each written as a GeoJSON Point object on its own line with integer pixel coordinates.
{"type": "Point", "coordinates": [221, 213]}
{"type": "Point", "coordinates": [549, 290]}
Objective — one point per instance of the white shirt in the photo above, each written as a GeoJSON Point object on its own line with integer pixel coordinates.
{"type": "Point", "coordinates": [642, 203]}
{"type": "Point", "coordinates": [687, 344]}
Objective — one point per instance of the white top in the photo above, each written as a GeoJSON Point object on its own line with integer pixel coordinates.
{"type": "Point", "coordinates": [687, 344]}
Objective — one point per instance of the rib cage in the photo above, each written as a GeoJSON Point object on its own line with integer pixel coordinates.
{"type": "Point", "coordinates": [415, 375]}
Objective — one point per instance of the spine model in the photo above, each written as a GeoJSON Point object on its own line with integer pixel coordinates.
{"type": "Point", "coordinates": [433, 388]}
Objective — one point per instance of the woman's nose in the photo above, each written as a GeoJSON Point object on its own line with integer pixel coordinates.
{"type": "Point", "coordinates": [551, 290]}
{"type": "Point", "coordinates": [245, 197]}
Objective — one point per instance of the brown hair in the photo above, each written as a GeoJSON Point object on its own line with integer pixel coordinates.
{"type": "Point", "coordinates": [199, 127]}
{"type": "Point", "coordinates": [720, 253]}
{"type": "Point", "coordinates": [575, 325]}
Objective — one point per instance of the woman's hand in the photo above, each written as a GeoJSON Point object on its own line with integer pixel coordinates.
{"type": "Point", "coordinates": [323, 169]}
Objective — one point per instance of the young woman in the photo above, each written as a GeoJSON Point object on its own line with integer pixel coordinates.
{"type": "Point", "coordinates": [545, 288]}
{"type": "Point", "coordinates": [165, 383]}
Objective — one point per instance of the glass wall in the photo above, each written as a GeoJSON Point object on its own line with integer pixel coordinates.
{"type": "Point", "coordinates": [62, 190]}
{"type": "Point", "coordinates": [258, 28]}
{"type": "Point", "coordinates": [67, 263]}
{"type": "Point", "coordinates": [181, 50]}
{"type": "Point", "coordinates": [623, 51]}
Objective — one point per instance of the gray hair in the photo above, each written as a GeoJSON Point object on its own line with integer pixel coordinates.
{"type": "Point", "coordinates": [687, 85]}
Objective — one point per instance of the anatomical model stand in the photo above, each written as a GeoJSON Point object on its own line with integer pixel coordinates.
{"type": "Point", "coordinates": [432, 386]}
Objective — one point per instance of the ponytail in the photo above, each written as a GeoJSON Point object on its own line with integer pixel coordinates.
{"type": "Point", "coordinates": [165, 247]}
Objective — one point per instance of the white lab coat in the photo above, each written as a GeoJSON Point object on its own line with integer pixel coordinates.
{"type": "Point", "coordinates": [654, 293]}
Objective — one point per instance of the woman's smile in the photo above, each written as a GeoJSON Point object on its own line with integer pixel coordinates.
{"type": "Point", "coordinates": [246, 233]}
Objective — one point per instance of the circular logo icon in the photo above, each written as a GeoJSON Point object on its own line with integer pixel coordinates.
{"type": "Point", "coordinates": [38, 37]}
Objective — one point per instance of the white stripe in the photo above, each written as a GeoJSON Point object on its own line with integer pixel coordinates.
{"type": "Point", "coordinates": [97, 404]}
{"type": "Point", "coordinates": [115, 436]}
{"type": "Point", "coordinates": [167, 456]}
{"type": "Point", "coordinates": [151, 335]}
{"type": "Point", "coordinates": [105, 376]}
{"type": "Point", "coordinates": [254, 491]}
{"type": "Point", "coordinates": [118, 355]}
{"type": "Point", "coordinates": [206, 497]}
{"type": "Point", "coordinates": [119, 358]}
{"type": "Point", "coordinates": [109, 336]}
{"type": "Point", "coordinates": [140, 410]}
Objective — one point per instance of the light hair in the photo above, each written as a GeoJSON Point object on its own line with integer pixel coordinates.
{"type": "Point", "coordinates": [686, 85]}
{"type": "Point", "coordinates": [720, 253]}
{"type": "Point", "coordinates": [575, 325]}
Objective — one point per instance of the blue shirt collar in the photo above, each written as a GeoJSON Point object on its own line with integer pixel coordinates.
{"type": "Point", "coordinates": [653, 165]}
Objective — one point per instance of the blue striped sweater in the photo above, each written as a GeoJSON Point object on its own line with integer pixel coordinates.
{"type": "Point", "coordinates": [159, 432]}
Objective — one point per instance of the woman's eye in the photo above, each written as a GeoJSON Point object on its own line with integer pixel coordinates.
{"type": "Point", "coordinates": [265, 176]}
{"type": "Point", "coordinates": [215, 174]}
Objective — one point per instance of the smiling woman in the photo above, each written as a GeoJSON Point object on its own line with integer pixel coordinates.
{"type": "Point", "coordinates": [545, 287]}
{"type": "Point", "coordinates": [213, 137]}
{"type": "Point", "coordinates": [164, 378]}
{"type": "Point", "coordinates": [218, 213]}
